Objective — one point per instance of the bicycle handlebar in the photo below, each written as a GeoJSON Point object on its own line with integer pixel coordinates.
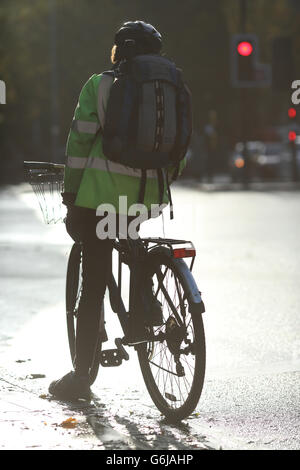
{"type": "Point", "coordinates": [32, 165]}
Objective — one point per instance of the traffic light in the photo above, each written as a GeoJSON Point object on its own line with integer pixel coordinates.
{"type": "Point", "coordinates": [292, 135]}
{"type": "Point", "coordinates": [246, 71]}
{"type": "Point", "coordinates": [244, 60]}
{"type": "Point", "coordinates": [292, 113]}
{"type": "Point", "coordinates": [292, 139]}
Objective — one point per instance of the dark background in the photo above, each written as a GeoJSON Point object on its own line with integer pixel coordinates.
{"type": "Point", "coordinates": [49, 48]}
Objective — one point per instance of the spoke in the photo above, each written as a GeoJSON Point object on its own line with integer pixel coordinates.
{"type": "Point", "coordinates": [190, 370]}
{"type": "Point", "coordinates": [184, 383]}
{"type": "Point", "coordinates": [179, 389]}
{"type": "Point", "coordinates": [184, 359]}
{"type": "Point", "coordinates": [170, 303]}
{"type": "Point", "coordinates": [157, 373]}
{"type": "Point", "coordinates": [165, 347]}
{"type": "Point", "coordinates": [181, 301]}
{"type": "Point", "coordinates": [156, 293]}
{"type": "Point", "coordinates": [170, 376]}
{"type": "Point", "coordinates": [170, 292]}
{"type": "Point", "coordinates": [188, 388]}
{"type": "Point", "coordinates": [165, 377]}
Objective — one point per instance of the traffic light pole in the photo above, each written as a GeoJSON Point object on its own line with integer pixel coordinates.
{"type": "Point", "coordinates": [292, 113]}
{"type": "Point", "coordinates": [243, 100]}
{"type": "Point", "coordinates": [295, 175]}
{"type": "Point", "coordinates": [243, 15]}
{"type": "Point", "coordinates": [54, 128]}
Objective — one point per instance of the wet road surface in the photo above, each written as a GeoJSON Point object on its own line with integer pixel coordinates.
{"type": "Point", "coordinates": [247, 267]}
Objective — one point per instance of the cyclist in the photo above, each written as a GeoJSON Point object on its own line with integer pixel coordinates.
{"type": "Point", "coordinates": [91, 179]}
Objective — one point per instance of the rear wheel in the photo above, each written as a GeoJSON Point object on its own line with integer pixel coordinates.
{"type": "Point", "coordinates": [173, 368]}
{"type": "Point", "coordinates": [73, 293]}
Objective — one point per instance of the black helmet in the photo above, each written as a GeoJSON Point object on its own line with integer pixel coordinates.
{"type": "Point", "coordinates": [144, 34]}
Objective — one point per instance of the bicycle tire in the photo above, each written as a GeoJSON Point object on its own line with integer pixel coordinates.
{"type": "Point", "coordinates": [73, 288]}
{"type": "Point", "coordinates": [165, 403]}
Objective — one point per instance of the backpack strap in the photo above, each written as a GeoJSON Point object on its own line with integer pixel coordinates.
{"type": "Point", "coordinates": [103, 94]}
{"type": "Point", "coordinates": [142, 187]}
{"type": "Point", "coordinates": [170, 196]}
{"type": "Point", "coordinates": [160, 181]}
{"type": "Point", "coordinates": [176, 172]}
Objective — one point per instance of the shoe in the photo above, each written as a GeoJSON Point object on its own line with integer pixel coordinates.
{"type": "Point", "coordinates": [71, 386]}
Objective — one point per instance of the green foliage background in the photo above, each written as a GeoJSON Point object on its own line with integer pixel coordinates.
{"type": "Point", "coordinates": [196, 36]}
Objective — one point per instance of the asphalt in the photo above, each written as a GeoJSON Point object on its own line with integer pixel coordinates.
{"type": "Point", "coordinates": [247, 267]}
{"type": "Point", "coordinates": [34, 351]}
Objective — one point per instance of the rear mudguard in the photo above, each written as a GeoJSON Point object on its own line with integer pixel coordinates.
{"type": "Point", "coordinates": [195, 301]}
{"type": "Point", "coordinates": [196, 305]}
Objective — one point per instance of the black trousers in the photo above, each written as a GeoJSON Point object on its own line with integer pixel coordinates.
{"type": "Point", "coordinates": [96, 270]}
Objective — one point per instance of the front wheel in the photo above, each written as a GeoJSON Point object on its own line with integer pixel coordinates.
{"type": "Point", "coordinates": [73, 293]}
{"type": "Point", "coordinates": [173, 368]}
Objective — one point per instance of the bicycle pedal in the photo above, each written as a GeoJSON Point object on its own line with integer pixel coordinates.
{"type": "Point", "coordinates": [110, 358]}
{"type": "Point", "coordinates": [124, 354]}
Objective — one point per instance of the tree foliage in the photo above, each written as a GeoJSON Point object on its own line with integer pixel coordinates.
{"type": "Point", "coordinates": [49, 48]}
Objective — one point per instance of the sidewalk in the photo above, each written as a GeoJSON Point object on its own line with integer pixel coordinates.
{"type": "Point", "coordinates": [224, 183]}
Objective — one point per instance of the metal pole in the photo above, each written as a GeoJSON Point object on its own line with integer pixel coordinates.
{"type": "Point", "coordinates": [295, 174]}
{"type": "Point", "coordinates": [243, 15]}
{"type": "Point", "coordinates": [243, 96]}
{"type": "Point", "coordinates": [54, 126]}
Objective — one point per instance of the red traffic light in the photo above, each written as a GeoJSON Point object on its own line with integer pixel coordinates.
{"type": "Point", "coordinates": [245, 48]}
{"type": "Point", "coordinates": [292, 136]}
{"type": "Point", "coordinates": [292, 113]}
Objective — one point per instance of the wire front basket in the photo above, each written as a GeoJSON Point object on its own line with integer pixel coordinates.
{"type": "Point", "coordinates": [47, 180]}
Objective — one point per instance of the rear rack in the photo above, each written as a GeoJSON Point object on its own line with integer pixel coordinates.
{"type": "Point", "coordinates": [183, 252]}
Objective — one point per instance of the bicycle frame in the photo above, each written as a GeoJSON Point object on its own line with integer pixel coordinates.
{"type": "Point", "coordinates": [126, 255]}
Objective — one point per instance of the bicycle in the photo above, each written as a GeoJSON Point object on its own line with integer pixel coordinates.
{"type": "Point", "coordinates": [173, 357]}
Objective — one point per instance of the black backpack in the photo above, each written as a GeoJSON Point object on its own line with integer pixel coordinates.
{"type": "Point", "coordinates": [148, 120]}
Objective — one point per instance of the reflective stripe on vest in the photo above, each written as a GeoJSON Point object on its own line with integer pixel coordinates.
{"type": "Point", "coordinates": [87, 127]}
{"type": "Point", "coordinates": [106, 165]}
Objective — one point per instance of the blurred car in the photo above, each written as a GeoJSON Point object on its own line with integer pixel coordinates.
{"type": "Point", "coordinates": [266, 161]}
{"type": "Point", "coordinates": [237, 160]}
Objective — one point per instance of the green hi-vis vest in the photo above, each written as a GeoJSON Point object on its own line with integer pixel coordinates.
{"type": "Point", "coordinates": [88, 173]}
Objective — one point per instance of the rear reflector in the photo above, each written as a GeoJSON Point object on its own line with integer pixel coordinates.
{"type": "Point", "coordinates": [184, 252]}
